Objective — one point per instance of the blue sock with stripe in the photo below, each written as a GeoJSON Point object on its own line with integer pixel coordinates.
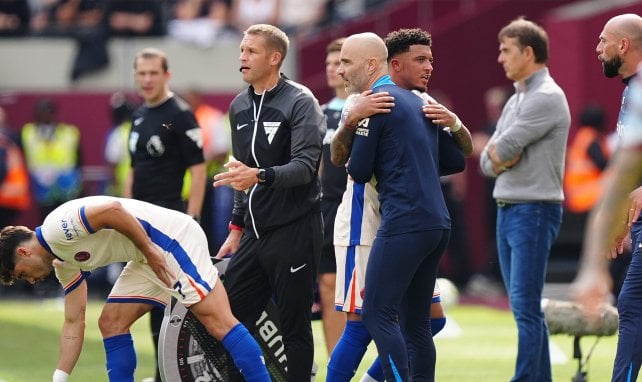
{"type": "Point", "coordinates": [246, 354]}
{"type": "Point", "coordinates": [121, 358]}
{"type": "Point", "coordinates": [376, 371]}
{"type": "Point", "coordinates": [348, 352]}
{"type": "Point", "coordinates": [436, 324]}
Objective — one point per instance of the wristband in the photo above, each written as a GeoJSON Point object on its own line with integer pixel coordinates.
{"type": "Point", "coordinates": [455, 128]}
{"type": "Point", "coordinates": [60, 376]}
{"type": "Point", "coordinates": [197, 219]}
{"type": "Point", "coordinates": [233, 227]}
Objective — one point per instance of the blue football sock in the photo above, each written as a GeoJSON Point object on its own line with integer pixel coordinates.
{"type": "Point", "coordinates": [347, 354]}
{"type": "Point", "coordinates": [376, 371]}
{"type": "Point", "coordinates": [121, 358]}
{"type": "Point", "coordinates": [246, 354]}
{"type": "Point", "coordinates": [436, 324]}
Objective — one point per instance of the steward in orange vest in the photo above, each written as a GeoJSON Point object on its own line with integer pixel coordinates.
{"type": "Point", "coordinates": [586, 159]}
{"type": "Point", "coordinates": [14, 181]}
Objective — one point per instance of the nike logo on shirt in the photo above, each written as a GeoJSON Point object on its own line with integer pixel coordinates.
{"type": "Point", "coordinates": [294, 270]}
{"type": "Point", "coordinates": [239, 127]}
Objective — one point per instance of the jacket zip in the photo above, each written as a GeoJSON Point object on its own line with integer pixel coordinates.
{"type": "Point", "coordinates": [256, 114]}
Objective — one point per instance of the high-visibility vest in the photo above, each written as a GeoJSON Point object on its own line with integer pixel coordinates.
{"type": "Point", "coordinates": [209, 120]}
{"type": "Point", "coordinates": [14, 189]}
{"type": "Point", "coordinates": [123, 166]}
{"type": "Point", "coordinates": [53, 163]}
{"type": "Point", "coordinates": [582, 178]}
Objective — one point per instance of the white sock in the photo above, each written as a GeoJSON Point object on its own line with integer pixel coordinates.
{"type": "Point", "coordinates": [367, 378]}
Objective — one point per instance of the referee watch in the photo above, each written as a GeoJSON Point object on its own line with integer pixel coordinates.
{"type": "Point", "coordinates": [261, 175]}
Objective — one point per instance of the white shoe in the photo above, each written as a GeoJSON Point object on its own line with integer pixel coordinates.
{"type": "Point", "coordinates": [367, 378]}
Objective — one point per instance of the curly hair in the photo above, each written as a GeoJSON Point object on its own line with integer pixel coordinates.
{"type": "Point", "coordinates": [10, 238]}
{"type": "Point", "coordinates": [400, 40]}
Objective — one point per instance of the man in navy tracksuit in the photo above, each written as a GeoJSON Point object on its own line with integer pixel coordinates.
{"type": "Point", "coordinates": [400, 149]}
{"type": "Point", "coordinates": [276, 231]}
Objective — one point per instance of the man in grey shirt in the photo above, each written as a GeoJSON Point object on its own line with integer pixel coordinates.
{"type": "Point", "coordinates": [526, 153]}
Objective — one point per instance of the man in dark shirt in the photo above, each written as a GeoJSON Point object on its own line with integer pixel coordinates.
{"type": "Point", "coordinates": [400, 149]}
{"type": "Point", "coordinates": [620, 51]}
{"type": "Point", "coordinates": [333, 185]}
{"type": "Point", "coordinates": [165, 141]}
{"type": "Point", "coordinates": [276, 230]}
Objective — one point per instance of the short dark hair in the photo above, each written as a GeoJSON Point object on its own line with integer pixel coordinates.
{"type": "Point", "coordinates": [10, 238]}
{"type": "Point", "coordinates": [148, 53]}
{"type": "Point", "coordinates": [401, 40]}
{"type": "Point", "coordinates": [274, 37]}
{"type": "Point", "coordinates": [335, 45]}
{"type": "Point", "coordinates": [527, 33]}
{"type": "Point", "coordinates": [592, 115]}
{"type": "Point", "coordinates": [45, 105]}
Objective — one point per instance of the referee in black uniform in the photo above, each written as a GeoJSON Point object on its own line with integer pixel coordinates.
{"type": "Point", "coordinates": [164, 143]}
{"type": "Point", "coordinates": [276, 231]}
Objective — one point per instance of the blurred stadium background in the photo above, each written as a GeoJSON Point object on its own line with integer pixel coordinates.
{"type": "Point", "coordinates": [35, 64]}
{"type": "Point", "coordinates": [464, 44]}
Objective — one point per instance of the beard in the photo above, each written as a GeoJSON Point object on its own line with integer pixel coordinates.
{"type": "Point", "coordinates": [611, 67]}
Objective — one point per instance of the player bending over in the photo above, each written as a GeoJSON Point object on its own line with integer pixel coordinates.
{"type": "Point", "coordinates": [167, 255]}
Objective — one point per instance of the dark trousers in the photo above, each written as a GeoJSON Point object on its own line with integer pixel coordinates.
{"type": "Point", "coordinates": [629, 305]}
{"type": "Point", "coordinates": [400, 280]}
{"type": "Point", "coordinates": [281, 264]}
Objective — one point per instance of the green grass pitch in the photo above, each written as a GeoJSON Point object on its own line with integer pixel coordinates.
{"type": "Point", "coordinates": [483, 351]}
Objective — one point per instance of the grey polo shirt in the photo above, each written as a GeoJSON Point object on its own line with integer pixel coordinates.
{"type": "Point", "coordinates": [535, 124]}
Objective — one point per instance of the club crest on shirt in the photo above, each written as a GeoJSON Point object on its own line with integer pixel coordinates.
{"type": "Point", "coordinates": [270, 129]}
{"type": "Point", "coordinates": [155, 146]}
{"type": "Point", "coordinates": [82, 256]}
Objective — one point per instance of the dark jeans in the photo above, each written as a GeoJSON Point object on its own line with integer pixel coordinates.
{"type": "Point", "coordinates": [525, 234]}
{"type": "Point", "coordinates": [629, 305]}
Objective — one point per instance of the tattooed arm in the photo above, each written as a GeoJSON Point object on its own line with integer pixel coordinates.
{"type": "Point", "coordinates": [73, 328]}
{"type": "Point", "coordinates": [341, 145]}
{"type": "Point", "coordinates": [357, 107]}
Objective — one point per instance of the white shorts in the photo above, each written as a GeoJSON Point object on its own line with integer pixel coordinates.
{"type": "Point", "coordinates": [195, 277]}
{"type": "Point", "coordinates": [351, 276]}
{"type": "Point", "coordinates": [436, 294]}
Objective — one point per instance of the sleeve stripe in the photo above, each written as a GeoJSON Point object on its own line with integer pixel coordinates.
{"type": "Point", "coordinates": [85, 222]}
{"type": "Point", "coordinates": [75, 282]}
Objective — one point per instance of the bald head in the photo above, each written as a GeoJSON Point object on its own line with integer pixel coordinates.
{"type": "Point", "coordinates": [620, 45]}
{"type": "Point", "coordinates": [363, 61]}
{"type": "Point", "coordinates": [627, 26]}
{"type": "Point", "coordinates": [369, 45]}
